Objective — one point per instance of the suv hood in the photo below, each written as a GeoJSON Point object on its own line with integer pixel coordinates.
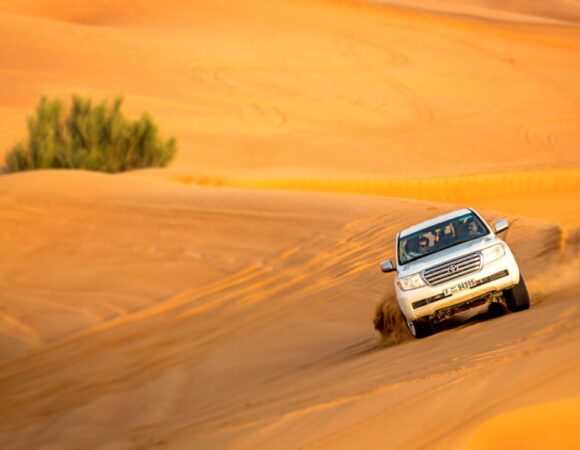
{"type": "Point", "coordinates": [447, 254]}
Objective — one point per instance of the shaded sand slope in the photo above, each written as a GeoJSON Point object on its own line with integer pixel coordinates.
{"type": "Point", "coordinates": [300, 86]}
{"type": "Point", "coordinates": [567, 11]}
{"type": "Point", "coordinates": [279, 349]}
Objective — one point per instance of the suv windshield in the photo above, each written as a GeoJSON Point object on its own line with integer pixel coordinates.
{"type": "Point", "coordinates": [440, 236]}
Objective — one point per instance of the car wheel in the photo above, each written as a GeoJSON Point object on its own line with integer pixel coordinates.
{"type": "Point", "coordinates": [517, 298]}
{"type": "Point", "coordinates": [419, 328]}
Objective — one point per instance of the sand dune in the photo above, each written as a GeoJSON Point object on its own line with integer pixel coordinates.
{"type": "Point", "coordinates": [279, 341]}
{"type": "Point", "coordinates": [538, 11]}
{"type": "Point", "coordinates": [296, 86]}
{"type": "Point", "coordinates": [535, 424]}
{"type": "Point", "coordinates": [523, 192]}
{"type": "Point", "coordinates": [177, 308]}
{"type": "Point", "coordinates": [87, 257]}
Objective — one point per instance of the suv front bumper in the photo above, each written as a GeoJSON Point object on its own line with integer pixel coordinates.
{"type": "Point", "coordinates": [427, 300]}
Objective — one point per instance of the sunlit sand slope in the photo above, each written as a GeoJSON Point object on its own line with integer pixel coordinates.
{"type": "Point", "coordinates": [267, 341]}
{"type": "Point", "coordinates": [546, 194]}
{"type": "Point", "coordinates": [308, 87]}
{"type": "Point", "coordinates": [532, 427]}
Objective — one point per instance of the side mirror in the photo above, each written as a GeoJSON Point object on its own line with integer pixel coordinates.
{"type": "Point", "coordinates": [501, 225]}
{"type": "Point", "coordinates": [387, 266]}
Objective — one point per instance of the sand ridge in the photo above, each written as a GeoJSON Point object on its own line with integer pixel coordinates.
{"type": "Point", "coordinates": [507, 191]}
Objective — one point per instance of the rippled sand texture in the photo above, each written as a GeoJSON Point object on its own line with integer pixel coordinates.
{"type": "Point", "coordinates": [224, 303]}
{"type": "Point", "coordinates": [144, 313]}
{"type": "Point", "coordinates": [301, 87]}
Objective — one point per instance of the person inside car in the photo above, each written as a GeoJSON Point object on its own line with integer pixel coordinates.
{"type": "Point", "coordinates": [423, 247]}
{"type": "Point", "coordinates": [412, 248]}
{"type": "Point", "coordinates": [442, 238]}
{"type": "Point", "coordinates": [472, 228]}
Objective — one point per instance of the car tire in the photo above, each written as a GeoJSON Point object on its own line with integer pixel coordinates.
{"type": "Point", "coordinates": [419, 328]}
{"type": "Point", "coordinates": [517, 298]}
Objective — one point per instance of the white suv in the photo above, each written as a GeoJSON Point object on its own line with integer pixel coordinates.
{"type": "Point", "coordinates": [452, 263]}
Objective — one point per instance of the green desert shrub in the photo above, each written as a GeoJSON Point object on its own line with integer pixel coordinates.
{"type": "Point", "coordinates": [90, 136]}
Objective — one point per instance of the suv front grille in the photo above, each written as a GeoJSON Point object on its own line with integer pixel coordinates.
{"type": "Point", "coordinates": [455, 268]}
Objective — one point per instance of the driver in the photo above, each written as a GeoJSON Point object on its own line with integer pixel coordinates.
{"type": "Point", "coordinates": [410, 249]}
{"type": "Point", "coordinates": [423, 247]}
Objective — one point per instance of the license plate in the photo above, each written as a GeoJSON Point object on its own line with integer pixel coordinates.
{"type": "Point", "coordinates": [459, 287]}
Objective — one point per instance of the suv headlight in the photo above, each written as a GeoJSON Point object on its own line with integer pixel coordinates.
{"type": "Point", "coordinates": [493, 253]}
{"type": "Point", "coordinates": [411, 282]}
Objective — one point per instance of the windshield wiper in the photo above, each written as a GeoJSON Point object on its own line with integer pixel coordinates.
{"type": "Point", "coordinates": [422, 256]}
{"type": "Point", "coordinates": [461, 242]}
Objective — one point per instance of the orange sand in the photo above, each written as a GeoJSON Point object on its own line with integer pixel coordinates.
{"type": "Point", "coordinates": [542, 426]}
{"type": "Point", "coordinates": [175, 308]}
{"type": "Point", "coordinates": [302, 86]}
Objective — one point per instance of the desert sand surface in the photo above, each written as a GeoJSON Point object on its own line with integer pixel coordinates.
{"type": "Point", "coordinates": [148, 314]}
{"type": "Point", "coordinates": [227, 301]}
{"type": "Point", "coordinates": [529, 11]}
{"type": "Point", "coordinates": [299, 86]}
